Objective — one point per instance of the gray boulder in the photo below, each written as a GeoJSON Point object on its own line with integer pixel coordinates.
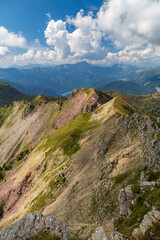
{"type": "Point", "coordinates": [126, 198]}
{"type": "Point", "coordinates": [100, 234]}
{"type": "Point", "coordinates": [32, 225]}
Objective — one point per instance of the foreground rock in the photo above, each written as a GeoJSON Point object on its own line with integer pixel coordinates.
{"type": "Point", "coordinates": [100, 234]}
{"type": "Point", "coordinates": [148, 221]}
{"type": "Point", "coordinates": [126, 198]}
{"type": "Point", "coordinates": [32, 225]}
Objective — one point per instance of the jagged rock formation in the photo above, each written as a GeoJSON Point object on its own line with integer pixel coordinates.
{"type": "Point", "coordinates": [148, 221]}
{"type": "Point", "coordinates": [126, 197]}
{"type": "Point", "coordinates": [148, 132]}
{"type": "Point", "coordinates": [34, 224]}
{"type": "Point", "coordinates": [140, 197]}
{"type": "Point", "coordinates": [100, 234]}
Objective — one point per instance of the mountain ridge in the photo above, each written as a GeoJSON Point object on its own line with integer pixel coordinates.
{"type": "Point", "coordinates": [9, 94]}
{"type": "Point", "coordinates": [72, 158]}
{"type": "Point", "coordinates": [127, 87]}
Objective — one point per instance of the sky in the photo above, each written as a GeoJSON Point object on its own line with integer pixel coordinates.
{"type": "Point", "coordinates": [52, 32]}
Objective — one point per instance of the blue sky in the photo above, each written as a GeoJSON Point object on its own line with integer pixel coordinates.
{"type": "Point", "coordinates": [29, 16]}
{"type": "Point", "coordinates": [59, 31]}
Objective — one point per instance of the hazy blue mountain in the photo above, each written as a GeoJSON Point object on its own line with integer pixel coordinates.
{"type": "Point", "coordinates": [149, 79]}
{"type": "Point", "coordinates": [64, 78]}
{"type": "Point", "coordinates": [124, 87]}
{"type": "Point", "coordinates": [33, 89]}
{"type": "Point", "coordinates": [57, 80]}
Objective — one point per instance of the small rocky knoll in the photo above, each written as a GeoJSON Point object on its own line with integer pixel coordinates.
{"type": "Point", "coordinates": [34, 224]}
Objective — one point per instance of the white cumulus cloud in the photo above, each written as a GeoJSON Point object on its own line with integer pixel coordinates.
{"type": "Point", "coordinates": [57, 36]}
{"type": "Point", "coordinates": [11, 39]}
{"type": "Point", "coordinates": [26, 56]}
{"type": "Point", "coordinates": [4, 51]}
{"type": "Point", "coordinates": [121, 30]}
{"type": "Point", "coordinates": [130, 22]}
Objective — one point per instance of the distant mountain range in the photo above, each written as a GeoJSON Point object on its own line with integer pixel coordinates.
{"type": "Point", "coordinates": [124, 87]}
{"type": "Point", "coordinates": [58, 80]}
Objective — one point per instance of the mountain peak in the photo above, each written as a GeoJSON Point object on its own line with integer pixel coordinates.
{"type": "Point", "coordinates": [90, 97]}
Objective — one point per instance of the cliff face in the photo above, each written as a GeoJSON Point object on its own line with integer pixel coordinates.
{"type": "Point", "coordinates": [70, 159]}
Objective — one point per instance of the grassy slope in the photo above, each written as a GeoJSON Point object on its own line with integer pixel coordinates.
{"type": "Point", "coordinates": [147, 104]}
{"type": "Point", "coordinates": [8, 95]}
{"type": "Point", "coordinates": [122, 106]}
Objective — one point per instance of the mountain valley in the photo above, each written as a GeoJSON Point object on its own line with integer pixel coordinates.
{"type": "Point", "coordinates": [61, 79]}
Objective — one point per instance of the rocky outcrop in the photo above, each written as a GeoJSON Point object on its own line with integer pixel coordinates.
{"type": "Point", "coordinates": [126, 198]}
{"type": "Point", "coordinates": [147, 185]}
{"type": "Point", "coordinates": [118, 236]}
{"type": "Point", "coordinates": [148, 221]}
{"type": "Point", "coordinates": [33, 224]}
{"type": "Point", "coordinates": [100, 234]}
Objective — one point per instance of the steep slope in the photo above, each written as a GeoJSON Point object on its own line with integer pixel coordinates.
{"type": "Point", "coordinates": [33, 89]}
{"type": "Point", "coordinates": [28, 121]}
{"type": "Point", "coordinates": [9, 94]}
{"type": "Point", "coordinates": [81, 153]}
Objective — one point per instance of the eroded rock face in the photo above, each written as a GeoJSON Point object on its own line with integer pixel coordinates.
{"type": "Point", "coordinates": [33, 224]}
{"type": "Point", "coordinates": [100, 234]}
{"type": "Point", "coordinates": [148, 132]}
{"type": "Point", "coordinates": [126, 198]}
{"type": "Point", "coordinates": [10, 198]}
{"type": "Point", "coordinates": [148, 221]}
